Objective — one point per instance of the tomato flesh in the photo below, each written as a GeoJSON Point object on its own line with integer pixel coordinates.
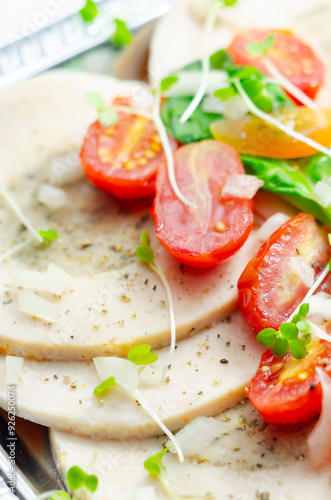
{"type": "Point", "coordinates": [205, 236]}
{"type": "Point", "coordinates": [253, 136]}
{"type": "Point", "coordinates": [122, 160]}
{"type": "Point", "coordinates": [295, 60]}
{"type": "Point", "coordinates": [287, 390]}
{"type": "Point", "coordinates": [269, 291]}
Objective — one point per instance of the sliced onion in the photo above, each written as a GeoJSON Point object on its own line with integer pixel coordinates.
{"type": "Point", "coordinates": [235, 108]}
{"type": "Point", "coordinates": [303, 270]}
{"type": "Point", "coordinates": [188, 83]}
{"type": "Point", "coordinates": [149, 376]}
{"type": "Point", "coordinates": [124, 371]}
{"type": "Point", "coordinates": [322, 193]}
{"type": "Point", "coordinates": [14, 367]}
{"type": "Point", "coordinates": [211, 104]}
{"type": "Point", "coordinates": [52, 197]}
{"type": "Point", "coordinates": [271, 225]}
{"type": "Point", "coordinates": [194, 437]}
{"type": "Point", "coordinates": [144, 493]}
{"type": "Point", "coordinates": [241, 186]}
{"type": "Point", "coordinates": [319, 441]}
{"type": "Point", "coordinates": [30, 303]}
{"type": "Point", "coordinates": [320, 307]}
{"type": "Point", "coordinates": [57, 279]}
{"type": "Point", "coordinates": [66, 169]}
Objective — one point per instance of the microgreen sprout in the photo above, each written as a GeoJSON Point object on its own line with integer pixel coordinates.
{"type": "Point", "coordinates": [287, 337]}
{"type": "Point", "coordinates": [48, 235]}
{"type": "Point", "coordinates": [122, 35]}
{"type": "Point", "coordinates": [107, 115]}
{"type": "Point", "coordinates": [106, 384]}
{"type": "Point", "coordinates": [154, 466]}
{"type": "Point", "coordinates": [168, 82]}
{"type": "Point", "coordinates": [146, 255]}
{"type": "Point", "coordinates": [76, 480]}
{"type": "Point", "coordinates": [142, 355]}
{"type": "Point", "coordinates": [20, 214]}
{"type": "Point", "coordinates": [261, 48]}
{"type": "Point", "coordinates": [89, 11]}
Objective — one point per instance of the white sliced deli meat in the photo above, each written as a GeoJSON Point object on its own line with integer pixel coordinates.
{"type": "Point", "coordinates": [109, 313]}
{"type": "Point", "coordinates": [247, 461]}
{"type": "Point", "coordinates": [208, 374]}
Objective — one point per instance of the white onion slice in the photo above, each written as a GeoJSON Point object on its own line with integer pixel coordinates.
{"type": "Point", "coordinates": [195, 436]}
{"type": "Point", "coordinates": [189, 81]}
{"type": "Point", "coordinates": [211, 104]}
{"type": "Point", "coordinates": [271, 225]}
{"type": "Point", "coordinates": [144, 493]}
{"type": "Point", "coordinates": [52, 197]}
{"type": "Point", "coordinates": [30, 303]}
{"type": "Point", "coordinates": [149, 376]}
{"type": "Point", "coordinates": [322, 193]}
{"type": "Point", "coordinates": [124, 371]}
{"type": "Point", "coordinates": [241, 186]}
{"type": "Point", "coordinates": [66, 169]}
{"type": "Point", "coordinates": [320, 307]}
{"type": "Point", "coordinates": [235, 108]}
{"type": "Point", "coordinates": [319, 440]}
{"type": "Point", "coordinates": [303, 270]}
{"type": "Point", "coordinates": [57, 279]}
{"type": "Point", "coordinates": [14, 367]}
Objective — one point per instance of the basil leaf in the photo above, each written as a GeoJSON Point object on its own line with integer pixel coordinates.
{"type": "Point", "coordinates": [294, 184]}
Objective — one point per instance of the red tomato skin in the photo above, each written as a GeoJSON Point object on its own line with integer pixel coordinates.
{"type": "Point", "coordinates": [293, 58]}
{"type": "Point", "coordinates": [191, 243]}
{"type": "Point", "coordinates": [108, 154]}
{"type": "Point", "coordinates": [288, 400]}
{"type": "Point", "coordinates": [260, 287]}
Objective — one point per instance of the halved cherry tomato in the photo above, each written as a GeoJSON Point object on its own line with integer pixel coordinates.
{"type": "Point", "coordinates": [122, 159]}
{"type": "Point", "coordinates": [205, 236]}
{"type": "Point", "coordinates": [269, 290]}
{"type": "Point", "coordinates": [292, 58]}
{"type": "Point", "coordinates": [286, 390]}
{"type": "Point", "coordinates": [253, 136]}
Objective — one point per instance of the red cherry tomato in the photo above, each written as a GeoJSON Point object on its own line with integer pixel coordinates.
{"type": "Point", "coordinates": [293, 59]}
{"type": "Point", "coordinates": [286, 390]}
{"type": "Point", "coordinates": [269, 290]}
{"type": "Point", "coordinates": [122, 159]}
{"type": "Point", "coordinates": [205, 236]}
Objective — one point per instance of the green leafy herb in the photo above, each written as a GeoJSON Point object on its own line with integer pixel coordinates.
{"type": "Point", "coordinates": [122, 35]}
{"type": "Point", "coordinates": [48, 235]}
{"type": "Point", "coordinates": [60, 495]}
{"type": "Point", "coordinates": [154, 464]}
{"type": "Point", "coordinates": [288, 336]}
{"type": "Point", "coordinates": [261, 48]}
{"type": "Point", "coordinates": [77, 478]}
{"type": "Point", "coordinates": [89, 11]}
{"type": "Point", "coordinates": [96, 100]}
{"type": "Point", "coordinates": [221, 60]}
{"type": "Point", "coordinates": [107, 116]}
{"type": "Point", "coordinates": [106, 384]}
{"type": "Point", "coordinates": [145, 238]}
{"type": "Point", "coordinates": [225, 93]}
{"type": "Point", "coordinates": [293, 180]}
{"type": "Point", "coordinates": [168, 82]}
{"type": "Point", "coordinates": [142, 355]}
{"type": "Point", "coordinates": [225, 3]}
{"type": "Point", "coordinates": [144, 251]}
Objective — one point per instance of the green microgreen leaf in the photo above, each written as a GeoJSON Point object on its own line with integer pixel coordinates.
{"type": "Point", "coordinates": [279, 349]}
{"type": "Point", "coordinates": [304, 310]}
{"type": "Point", "coordinates": [221, 60]}
{"type": "Point", "coordinates": [330, 265]}
{"type": "Point", "coordinates": [89, 11]}
{"type": "Point", "coordinates": [122, 35]}
{"type": "Point", "coordinates": [267, 337]}
{"type": "Point", "coordinates": [96, 100]}
{"type": "Point", "coordinates": [303, 326]}
{"type": "Point", "coordinates": [225, 93]}
{"type": "Point", "coordinates": [109, 382]}
{"type": "Point", "coordinates": [48, 235]}
{"type": "Point", "coordinates": [243, 73]}
{"type": "Point", "coordinates": [108, 117]}
{"type": "Point", "coordinates": [60, 495]}
{"type": "Point", "coordinates": [329, 237]}
{"type": "Point", "coordinates": [298, 350]}
{"type": "Point", "coordinates": [142, 355]}
{"type": "Point", "coordinates": [289, 331]}
{"type": "Point", "coordinates": [226, 3]}
{"type": "Point", "coordinates": [305, 338]}
{"type": "Point", "coordinates": [261, 48]}
{"type": "Point", "coordinates": [145, 238]}
{"type": "Point", "coordinates": [168, 82]}
{"type": "Point", "coordinates": [145, 254]}
{"type": "Point", "coordinates": [77, 478]}
{"type": "Point", "coordinates": [154, 464]}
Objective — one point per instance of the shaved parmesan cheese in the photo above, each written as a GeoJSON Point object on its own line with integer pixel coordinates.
{"type": "Point", "coordinates": [57, 280]}
{"type": "Point", "coordinates": [125, 372]}
{"type": "Point", "coordinates": [241, 186]}
{"type": "Point", "coordinates": [66, 169]}
{"type": "Point", "coordinates": [52, 197]}
{"type": "Point", "coordinates": [319, 441]}
{"type": "Point", "coordinates": [303, 270]}
{"type": "Point", "coordinates": [144, 493]}
{"type": "Point", "coordinates": [235, 108]}
{"type": "Point", "coordinates": [271, 225]}
{"type": "Point", "coordinates": [30, 303]}
{"type": "Point", "coordinates": [14, 367]}
{"type": "Point", "coordinates": [197, 435]}
{"type": "Point", "coordinates": [322, 193]}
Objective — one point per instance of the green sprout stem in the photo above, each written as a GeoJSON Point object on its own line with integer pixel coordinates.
{"type": "Point", "coordinates": [277, 123]}
{"type": "Point", "coordinates": [288, 85]}
{"type": "Point", "coordinates": [46, 495]}
{"type": "Point", "coordinates": [207, 33]}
